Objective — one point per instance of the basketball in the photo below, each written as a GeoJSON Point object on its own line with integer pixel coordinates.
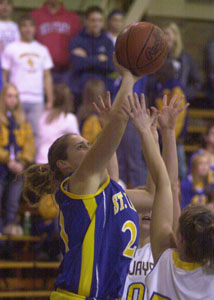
{"type": "Point", "coordinates": [141, 47]}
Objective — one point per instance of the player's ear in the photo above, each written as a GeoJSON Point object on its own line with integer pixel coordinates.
{"type": "Point", "coordinates": [62, 164]}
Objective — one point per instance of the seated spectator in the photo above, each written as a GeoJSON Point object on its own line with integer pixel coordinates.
{"type": "Point", "coordinates": [16, 152]}
{"type": "Point", "coordinates": [196, 188]}
{"type": "Point", "coordinates": [114, 24]}
{"type": "Point", "coordinates": [207, 148]}
{"type": "Point", "coordinates": [186, 67]}
{"type": "Point", "coordinates": [55, 27]}
{"type": "Point", "coordinates": [91, 53]}
{"type": "Point", "coordinates": [57, 121]}
{"type": "Point", "coordinates": [89, 122]}
{"type": "Point", "coordinates": [27, 63]}
{"type": "Point", "coordinates": [9, 31]}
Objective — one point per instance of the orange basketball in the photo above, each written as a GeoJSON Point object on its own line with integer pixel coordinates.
{"type": "Point", "coordinates": [141, 47]}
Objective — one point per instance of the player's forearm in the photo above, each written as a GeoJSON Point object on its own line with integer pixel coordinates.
{"type": "Point", "coordinates": [169, 154]}
{"type": "Point", "coordinates": [153, 158]}
{"type": "Point", "coordinates": [113, 169]}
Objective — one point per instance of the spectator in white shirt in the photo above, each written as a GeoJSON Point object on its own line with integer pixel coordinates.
{"type": "Point", "coordinates": [9, 31]}
{"type": "Point", "coordinates": [27, 64]}
{"type": "Point", "coordinates": [56, 122]}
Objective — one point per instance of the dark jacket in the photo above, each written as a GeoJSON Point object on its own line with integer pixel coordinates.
{"type": "Point", "coordinates": [188, 75]}
{"type": "Point", "coordinates": [90, 67]}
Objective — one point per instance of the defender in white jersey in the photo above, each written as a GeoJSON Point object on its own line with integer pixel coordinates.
{"type": "Point", "coordinates": [175, 279]}
{"type": "Point", "coordinates": [194, 242]}
{"type": "Point", "coordinates": [141, 265]}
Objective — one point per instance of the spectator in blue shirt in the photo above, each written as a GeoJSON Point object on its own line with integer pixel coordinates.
{"type": "Point", "coordinates": [90, 53]}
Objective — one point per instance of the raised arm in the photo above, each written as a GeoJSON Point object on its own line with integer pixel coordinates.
{"type": "Point", "coordinates": [103, 110]}
{"type": "Point", "coordinates": [167, 122]}
{"type": "Point", "coordinates": [92, 170]}
{"type": "Point", "coordinates": [162, 216]}
{"type": "Point", "coordinates": [143, 198]}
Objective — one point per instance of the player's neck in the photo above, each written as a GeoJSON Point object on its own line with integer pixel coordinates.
{"type": "Point", "coordinates": [143, 241]}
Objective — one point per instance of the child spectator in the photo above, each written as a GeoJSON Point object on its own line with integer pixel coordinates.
{"type": "Point", "coordinates": [27, 63]}
{"type": "Point", "coordinates": [89, 122]}
{"type": "Point", "coordinates": [57, 121]}
{"type": "Point", "coordinates": [16, 152]}
{"type": "Point", "coordinates": [9, 31]}
{"type": "Point", "coordinates": [196, 188]}
{"type": "Point", "coordinates": [91, 53]}
{"type": "Point", "coordinates": [55, 27]}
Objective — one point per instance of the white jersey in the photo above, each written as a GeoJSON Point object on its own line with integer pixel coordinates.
{"type": "Point", "coordinates": [139, 268]}
{"type": "Point", "coordinates": [26, 63]}
{"type": "Point", "coordinates": [174, 279]}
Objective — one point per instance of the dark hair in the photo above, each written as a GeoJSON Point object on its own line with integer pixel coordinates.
{"type": "Point", "coordinates": [91, 92]}
{"type": "Point", "coordinates": [63, 102]}
{"type": "Point", "coordinates": [203, 137]}
{"type": "Point", "coordinates": [196, 225]}
{"type": "Point", "coordinates": [24, 19]}
{"type": "Point", "coordinates": [115, 12]}
{"type": "Point", "coordinates": [40, 179]}
{"type": "Point", "coordinates": [93, 9]}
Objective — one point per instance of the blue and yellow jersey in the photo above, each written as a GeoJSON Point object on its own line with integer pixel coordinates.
{"type": "Point", "coordinates": [99, 237]}
{"type": "Point", "coordinates": [192, 194]}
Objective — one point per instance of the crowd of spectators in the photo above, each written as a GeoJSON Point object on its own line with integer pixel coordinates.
{"type": "Point", "coordinates": [54, 65]}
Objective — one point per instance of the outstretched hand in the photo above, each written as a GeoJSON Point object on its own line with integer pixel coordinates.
{"type": "Point", "coordinates": [139, 115]}
{"type": "Point", "coordinates": [103, 108]}
{"type": "Point", "coordinates": [167, 117]}
{"type": "Point", "coordinates": [123, 71]}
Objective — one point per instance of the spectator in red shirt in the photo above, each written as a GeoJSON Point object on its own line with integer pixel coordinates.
{"type": "Point", "coordinates": [55, 26]}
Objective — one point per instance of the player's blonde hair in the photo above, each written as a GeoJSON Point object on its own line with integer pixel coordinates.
{"type": "Point", "coordinates": [178, 45]}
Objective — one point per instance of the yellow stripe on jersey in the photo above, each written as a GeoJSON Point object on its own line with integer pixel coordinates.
{"type": "Point", "coordinates": [60, 294]}
{"type": "Point", "coordinates": [63, 234]}
{"type": "Point", "coordinates": [87, 263]}
{"type": "Point", "coordinates": [183, 264]}
{"type": "Point", "coordinates": [82, 197]}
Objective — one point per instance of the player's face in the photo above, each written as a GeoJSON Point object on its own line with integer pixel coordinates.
{"type": "Point", "coordinates": [203, 166]}
{"type": "Point", "coordinates": [210, 136]}
{"type": "Point", "coordinates": [27, 30]}
{"type": "Point", "coordinates": [94, 23]}
{"type": "Point", "coordinates": [5, 9]}
{"type": "Point", "coordinates": [77, 149]}
{"type": "Point", "coordinates": [170, 37]}
{"type": "Point", "coordinates": [116, 23]}
{"type": "Point", "coordinates": [145, 220]}
{"type": "Point", "coordinates": [11, 98]}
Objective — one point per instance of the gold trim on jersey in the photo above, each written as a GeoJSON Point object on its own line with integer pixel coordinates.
{"type": "Point", "coordinates": [82, 197]}
{"type": "Point", "coordinates": [188, 266]}
{"type": "Point", "coordinates": [61, 294]}
{"type": "Point", "coordinates": [63, 234]}
{"type": "Point", "coordinates": [87, 263]}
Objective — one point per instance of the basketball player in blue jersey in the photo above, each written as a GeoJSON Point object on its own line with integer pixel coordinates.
{"type": "Point", "coordinates": [98, 222]}
{"type": "Point", "coordinates": [185, 272]}
{"type": "Point", "coordinates": [142, 264]}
